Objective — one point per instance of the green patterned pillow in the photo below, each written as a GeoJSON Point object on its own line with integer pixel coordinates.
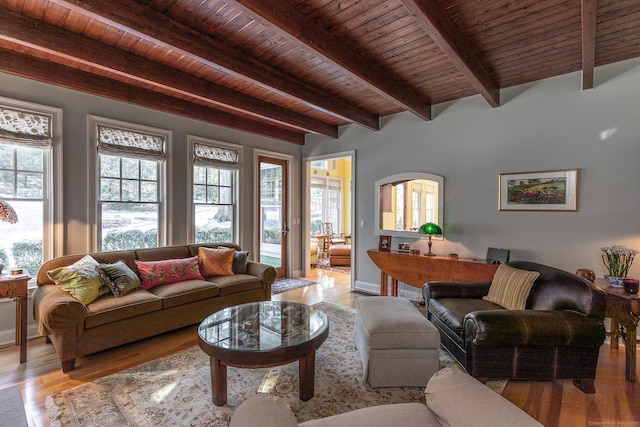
{"type": "Point", "coordinates": [83, 279]}
{"type": "Point", "coordinates": [510, 287]}
{"type": "Point", "coordinates": [123, 278]}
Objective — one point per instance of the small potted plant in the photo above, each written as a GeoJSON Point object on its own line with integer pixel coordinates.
{"type": "Point", "coordinates": [617, 259]}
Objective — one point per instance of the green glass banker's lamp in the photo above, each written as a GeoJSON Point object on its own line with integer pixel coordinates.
{"type": "Point", "coordinates": [430, 229]}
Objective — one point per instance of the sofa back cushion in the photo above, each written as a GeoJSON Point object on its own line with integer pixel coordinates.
{"type": "Point", "coordinates": [510, 287]}
{"type": "Point", "coordinates": [161, 272]}
{"type": "Point", "coordinates": [556, 289]}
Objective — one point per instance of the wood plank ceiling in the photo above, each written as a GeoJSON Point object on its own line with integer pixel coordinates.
{"type": "Point", "coordinates": [286, 68]}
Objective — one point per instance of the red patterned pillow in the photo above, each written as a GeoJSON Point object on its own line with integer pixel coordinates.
{"type": "Point", "coordinates": [155, 273]}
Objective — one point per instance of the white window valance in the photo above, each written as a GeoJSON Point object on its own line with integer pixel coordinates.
{"type": "Point", "coordinates": [25, 127]}
{"type": "Point", "coordinates": [216, 156]}
{"type": "Point", "coordinates": [125, 142]}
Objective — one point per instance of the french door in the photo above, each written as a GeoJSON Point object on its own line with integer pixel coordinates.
{"type": "Point", "coordinates": [273, 213]}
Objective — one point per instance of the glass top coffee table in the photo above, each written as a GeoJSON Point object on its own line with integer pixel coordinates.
{"type": "Point", "coordinates": [263, 334]}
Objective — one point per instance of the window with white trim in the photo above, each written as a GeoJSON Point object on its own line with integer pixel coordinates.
{"type": "Point", "coordinates": [130, 187]}
{"type": "Point", "coordinates": [326, 203]}
{"type": "Point", "coordinates": [215, 187]}
{"type": "Point", "coordinates": [30, 145]}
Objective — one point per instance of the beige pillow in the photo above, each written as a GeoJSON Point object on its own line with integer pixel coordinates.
{"type": "Point", "coordinates": [216, 262]}
{"type": "Point", "coordinates": [510, 287]}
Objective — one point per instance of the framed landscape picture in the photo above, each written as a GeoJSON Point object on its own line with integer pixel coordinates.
{"type": "Point", "coordinates": [555, 190]}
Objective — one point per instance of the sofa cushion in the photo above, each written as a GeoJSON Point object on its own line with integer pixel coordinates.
{"type": "Point", "coordinates": [451, 390]}
{"type": "Point", "coordinates": [510, 287]}
{"type": "Point", "coordinates": [184, 292]}
{"type": "Point", "coordinates": [123, 279]}
{"type": "Point", "coordinates": [237, 283]}
{"type": "Point", "coordinates": [110, 309]}
{"type": "Point", "coordinates": [216, 262]}
{"type": "Point", "coordinates": [156, 273]}
{"type": "Point", "coordinates": [84, 279]}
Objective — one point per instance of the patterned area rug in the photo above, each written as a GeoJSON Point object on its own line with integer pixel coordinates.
{"type": "Point", "coordinates": [176, 389]}
{"type": "Point", "coordinates": [288, 283]}
{"type": "Point", "coordinates": [323, 263]}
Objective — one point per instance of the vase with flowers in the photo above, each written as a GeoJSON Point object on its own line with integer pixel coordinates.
{"type": "Point", "coordinates": [617, 259]}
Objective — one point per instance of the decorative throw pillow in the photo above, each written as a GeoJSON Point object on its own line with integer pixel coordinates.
{"type": "Point", "coordinates": [123, 279]}
{"type": "Point", "coordinates": [82, 279]}
{"type": "Point", "coordinates": [510, 287]}
{"type": "Point", "coordinates": [239, 264]}
{"type": "Point", "coordinates": [155, 273]}
{"type": "Point", "coordinates": [216, 262]}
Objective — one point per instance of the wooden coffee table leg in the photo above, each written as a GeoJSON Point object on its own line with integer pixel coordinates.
{"type": "Point", "coordinates": [218, 381]}
{"type": "Point", "coordinates": [307, 376]}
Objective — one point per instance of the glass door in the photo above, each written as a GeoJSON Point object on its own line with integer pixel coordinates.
{"type": "Point", "coordinates": [273, 213]}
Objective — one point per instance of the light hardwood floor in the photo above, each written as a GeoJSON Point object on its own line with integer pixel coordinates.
{"type": "Point", "coordinates": [554, 403]}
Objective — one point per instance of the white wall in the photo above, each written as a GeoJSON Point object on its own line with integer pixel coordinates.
{"type": "Point", "coordinates": [546, 125]}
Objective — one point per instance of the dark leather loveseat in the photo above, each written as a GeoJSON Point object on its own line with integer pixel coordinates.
{"type": "Point", "coordinates": [557, 336]}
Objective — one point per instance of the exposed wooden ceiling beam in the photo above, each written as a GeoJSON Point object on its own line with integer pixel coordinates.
{"type": "Point", "coordinates": [59, 75]}
{"type": "Point", "coordinates": [588, 16]}
{"type": "Point", "coordinates": [57, 42]}
{"type": "Point", "coordinates": [142, 21]}
{"type": "Point", "coordinates": [281, 16]}
{"type": "Point", "coordinates": [433, 18]}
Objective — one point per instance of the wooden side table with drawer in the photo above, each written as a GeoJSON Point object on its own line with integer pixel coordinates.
{"type": "Point", "coordinates": [15, 286]}
{"type": "Point", "coordinates": [624, 311]}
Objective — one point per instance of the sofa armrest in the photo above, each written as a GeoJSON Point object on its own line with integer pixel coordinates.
{"type": "Point", "coordinates": [56, 311]}
{"type": "Point", "coordinates": [450, 389]}
{"type": "Point", "coordinates": [265, 272]}
{"type": "Point", "coordinates": [264, 411]}
{"type": "Point", "coordinates": [507, 328]}
{"type": "Point", "coordinates": [455, 289]}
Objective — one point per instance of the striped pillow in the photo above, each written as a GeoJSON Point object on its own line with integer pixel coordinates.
{"type": "Point", "coordinates": [510, 287]}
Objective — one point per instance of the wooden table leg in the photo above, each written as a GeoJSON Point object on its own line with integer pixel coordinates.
{"type": "Point", "coordinates": [630, 350]}
{"type": "Point", "coordinates": [21, 326]}
{"type": "Point", "coordinates": [384, 279]}
{"type": "Point", "coordinates": [394, 287]}
{"type": "Point", "coordinates": [307, 376]}
{"type": "Point", "coordinates": [218, 381]}
{"type": "Point", "coordinates": [614, 333]}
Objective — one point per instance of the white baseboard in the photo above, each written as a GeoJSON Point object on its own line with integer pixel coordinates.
{"type": "Point", "coordinates": [404, 290]}
{"type": "Point", "coordinates": [8, 337]}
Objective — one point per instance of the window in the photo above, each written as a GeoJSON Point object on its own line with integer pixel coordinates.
{"type": "Point", "coordinates": [29, 148]}
{"type": "Point", "coordinates": [215, 176]}
{"type": "Point", "coordinates": [130, 187]}
{"type": "Point", "coordinates": [326, 203]}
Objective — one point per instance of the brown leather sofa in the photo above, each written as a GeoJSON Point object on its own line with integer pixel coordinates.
{"type": "Point", "coordinates": [76, 329]}
{"type": "Point", "coordinates": [557, 336]}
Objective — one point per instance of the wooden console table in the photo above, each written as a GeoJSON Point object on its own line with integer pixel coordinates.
{"type": "Point", "coordinates": [15, 286]}
{"type": "Point", "coordinates": [624, 311]}
{"type": "Point", "coordinates": [415, 270]}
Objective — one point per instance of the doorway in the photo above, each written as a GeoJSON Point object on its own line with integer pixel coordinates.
{"type": "Point", "coordinates": [329, 204]}
{"type": "Point", "coordinates": [272, 212]}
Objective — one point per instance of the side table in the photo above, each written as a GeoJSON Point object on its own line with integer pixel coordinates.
{"type": "Point", "coordinates": [624, 311]}
{"type": "Point", "coordinates": [15, 287]}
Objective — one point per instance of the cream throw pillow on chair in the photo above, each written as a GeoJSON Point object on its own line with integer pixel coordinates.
{"type": "Point", "coordinates": [510, 287]}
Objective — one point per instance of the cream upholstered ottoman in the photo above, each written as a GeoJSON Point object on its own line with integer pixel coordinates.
{"type": "Point", "coordinates": [398, 345]}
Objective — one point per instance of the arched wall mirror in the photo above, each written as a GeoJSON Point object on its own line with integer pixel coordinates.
{"type": "Point", "coordinates": [406, 201]}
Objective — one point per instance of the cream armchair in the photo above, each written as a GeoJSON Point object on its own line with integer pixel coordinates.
{"type": "Point", "coordinates": [313, 251]}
